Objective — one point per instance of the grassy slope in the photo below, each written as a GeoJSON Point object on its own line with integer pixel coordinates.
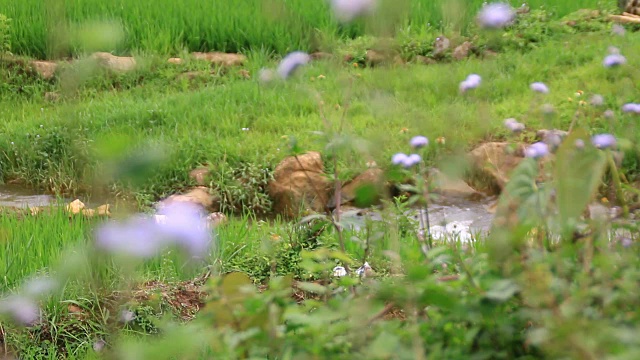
{"type": "Point", "coordinates": [53, 144]}
{"type": "Point", "coordinates": [171, 26]}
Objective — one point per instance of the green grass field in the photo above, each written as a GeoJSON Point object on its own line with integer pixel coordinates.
{"type": "Point", "coordinates": [169, 27]}
{"type": "Point", "coordinates": [131, 139]}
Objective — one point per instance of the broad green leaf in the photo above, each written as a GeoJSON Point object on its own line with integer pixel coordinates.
{"type": "Point", "coordinates": [366, 195]}
{"type": "Point", "coordinates": [577, 173]}
{"type": "Point", "coordinates": [233, 283]}
{"type": "Point", "coordinates": [312, 287]}
{"type": "Point", "coordinates": [502, 290]}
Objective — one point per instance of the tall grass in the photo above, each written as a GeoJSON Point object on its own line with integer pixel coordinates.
{"type": "Point", "coordinates": [168, 27]}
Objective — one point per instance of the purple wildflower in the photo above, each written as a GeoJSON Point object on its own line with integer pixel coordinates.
{"type": "Point", "coordinates": [513, 125]}
{"type": "Point", "coordinates": [186, 226]}
{"type": "Point", "coordinates": [603, 141]}
{"type": "Point", "coordinates": [612, 50]}
{"type": "Point", "coordinates": [266, 75]}
{"type": "Point", "coordinates": [399, 159]}
{"type": "Point", "coordinates": [539, 87]}
{"type": "Point", "coordinates": [618, 29]}
{"type": "Point", "coordinates": [631, 107]}
{"type": "Point", "coordinates": [136, 237]}
{"type": "Point", "coordinates": [127, 316]}
{"type": "Point", "coordinates": [411, 160]}
{"type": "Point", "coordinates": [348, 10]}
{"type": "Point", "coordinates": [614, 60]}
{"type": "Point", "coordinates": [471, 82]}
{"type": "Point", "coordinates": [22, 309]}
{"type": "Point", "coordinates": [39, 286]}
{"type": "Point", "coordinates": [292, 62]}
{"type": "Point", "coordinates": [99, 345]}
{"type": "Point", "coordinates": [608, 114]}
{"type": "Point", "coordinates": [419, 141]}
{"type": "Point", "coordinates": [596, 100]}
{"type": "Point", "coordinates": [496, 15]}
{"type": "Point", "coordinates": [537, 150]}
{"type": "Point", "coordinates": [626, 242]}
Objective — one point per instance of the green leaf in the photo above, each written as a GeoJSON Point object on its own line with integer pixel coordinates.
{"type": "Point", "coordinates": [384, 346]}
{"type": "Point", "coordinates": [233, 283]}
{"type": "Point", "coordinates": [366, 195]}
{"type": "Point", "coordinates": [578, 173]}
{"type": "Point", "coordinates": [502, 290]}
{"type": "Point", "coordinates": [312, 287]}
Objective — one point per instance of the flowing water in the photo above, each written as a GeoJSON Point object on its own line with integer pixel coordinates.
{"type": "Point", "coordinates": [448, 217]}
{"type": "Point", "coordinates": [20, 197]}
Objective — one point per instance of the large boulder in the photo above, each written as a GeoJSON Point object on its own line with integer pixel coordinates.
{"type": "Point", "coordinates": [114, 63]}
{"type": "Point", "coordinates": [199, 195]}
{"type": "Point", "coordinates": [451, 186]}
{"type": "Point", "coordinates": [373, 177]}
{"type": "Point", "coordinates": [46, 69]}
{"type": "Point", "coordinates": [492, 164]}
{"type": "Point", "coordinates": [299, 184]}
{"type": "Point", "coordinates": [220, 58]}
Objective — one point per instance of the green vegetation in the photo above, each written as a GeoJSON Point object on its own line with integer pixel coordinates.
{"type": "Point", "coordinates": [546, 283]}
{"type": "Point", "coordinates": [169, 27]}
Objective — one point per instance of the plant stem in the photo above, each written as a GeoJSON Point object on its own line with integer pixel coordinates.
{"type": "Point", "coordinates": [616, 181]}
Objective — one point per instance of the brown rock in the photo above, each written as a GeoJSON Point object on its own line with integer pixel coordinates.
{"type": "Point", "coordinates": [374, 58]}
{"type": "Point", "coordinates": [103, 210]}
{"type": "Point", "coordinates": [493, 162]}
{"type": "Point", "coordinates": [176, 61]}
{"type": "Point", "coordinates": [88, 212]}
{"type": "Point", "coordinates": [114, 63]}
{"type": "Point", "coordinates": [75, 207]}
{"type": "Point", "coordinates": [220, 58]}
{"type": "Point", "coordinates": [441, 46]}
{"type": "Point", "coordinates": [450, 186]}
{"type": "Point", "coordinates": [46, 69]}
{"type": "Point", "coordinates": [462, 50]}
{"type": "Point", "coordinates": [199, 195]}
{"type": "Point", "coordinates": [425, 60]}
{"type": "Point", "coordinates": [373, 176]}
{"type": "Point", "coordinates": [298, 184]}
{"type": "Point", "coordinates": [321, 56]}
{"type": "Point", "coordinates": [51, 96]}
{"type": "Point", "coordinates": [192, 75]}
{"type": "Point", "coordinates": [199, 175]}
{"type": "Point", "coordinates": [216, 219]}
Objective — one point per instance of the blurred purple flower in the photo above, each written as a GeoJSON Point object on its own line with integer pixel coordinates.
{"type": "Point", "coordinates": [597, 100]}
{"type": "Point", "coordinates": [186, 226]}
{"type": "Point", "coordinates": [618, 29]}
{"type": "Point", "coordinates": [348, 10]}
{"type": "Point", "coordinates": [613, 50]}
{"type": "Point", "coordinates": [419, 141]}
{"type": "Point", "coordinates": [99, 345]}
{"type": "Point", "coordinates": [39, 286]}
{"type": "Point", "coordinates": [471, 82]}
{"type": "Point", "coordinates": [399, 159]}
{"type": "Point", "coordinates": [631, 107]}
{"type": "Point", "coordinates": [127, 316]}
{"type": "Point", "coordinates": [496, 15]}
{"type": "Point", "coordinates": [609, 114]}
{"type": "Point", "coordinates": [266, 75]}
{"type": "Point", "coordinates": [579, 144]}
{"type": "Point", "coordinates": [614, 60]}
{"type": "Point", "coordinates": [411, 160]}
{"type": "Point", "coordinates": [513, 125]}
{"type": "Point", "coordinates": [537, 150]}
{"type": "Point", "coordinates": [539, 87]}
{"type": "Point", "coordinates": [291, 62]}
{"type": "Point", "coordinates": [626, 242]}
{"type": "Point", "coordinates": [22, 309]}
{"type": "Point", "coordinates": [603, 141]}
{"type": "Point", "coordinates": [136, 237]}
